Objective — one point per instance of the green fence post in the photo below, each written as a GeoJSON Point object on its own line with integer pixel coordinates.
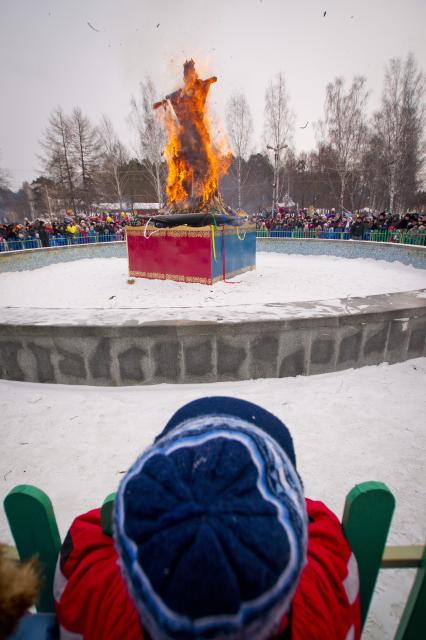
{"type": "Point", "coordinates": [413, 621]}
{"type": "Point", "coordinates": [106, 514]}
{"type": "Point", "coordinates": [366, 521]}
{"type": "Point", "coordinates": [33, 525]}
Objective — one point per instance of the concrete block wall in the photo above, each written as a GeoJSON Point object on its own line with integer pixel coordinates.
{"type": "Point", "coordinates": [389, 328]}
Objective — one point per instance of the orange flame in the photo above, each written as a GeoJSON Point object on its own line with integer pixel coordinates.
{"type": "Point", "coordinates": [195, 164]}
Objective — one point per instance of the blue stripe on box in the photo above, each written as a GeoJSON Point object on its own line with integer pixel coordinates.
{"type": "Point", "coordinates": [240, 252]}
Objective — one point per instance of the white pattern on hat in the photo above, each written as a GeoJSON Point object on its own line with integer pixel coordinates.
{"type": "Point", "coordinates": [351, 582]}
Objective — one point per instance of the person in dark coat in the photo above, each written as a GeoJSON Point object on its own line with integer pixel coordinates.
{"type": "Point", "coordinates": [404, 222]}
{"type": "Point", "coordinates": [382, 224]}
{"type": "Point", "coordinates": [43, 235]}
{"type": "Point", "coordinates": [357, 228]}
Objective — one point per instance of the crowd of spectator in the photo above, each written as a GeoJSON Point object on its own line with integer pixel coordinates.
{"type": "Point", "coordinates": [357, 226]}
{"type": "Point", "coordinates": [72, 229]}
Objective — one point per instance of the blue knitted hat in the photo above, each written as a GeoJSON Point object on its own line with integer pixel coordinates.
{"type": "Point", "coordinates": [210, 524]}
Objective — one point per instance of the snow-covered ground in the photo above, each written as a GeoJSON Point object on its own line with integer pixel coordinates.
{"type": "Point", "coordinates": [89, 290]}
{"type": "Point", "coordinates": [348, 427]}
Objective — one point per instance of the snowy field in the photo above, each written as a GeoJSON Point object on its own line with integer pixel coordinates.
{"type": "Point", "coordinates": [77, 291]}
{"type": "Point", "coordinates": [348, 427]}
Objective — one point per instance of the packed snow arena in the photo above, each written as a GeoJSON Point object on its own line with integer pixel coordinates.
{"type": "Point", "coordinates": [213, 323]}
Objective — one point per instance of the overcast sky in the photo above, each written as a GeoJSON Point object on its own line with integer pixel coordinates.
{"type": "Point", "coordinates": [50, 56]}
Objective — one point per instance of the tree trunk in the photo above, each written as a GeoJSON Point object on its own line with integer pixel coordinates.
{"type": "Point", "coordinates": [239, 181]}
{"type": "Point", "coordinates": [392, 191]}
{"type": "Point", "coordinates": [118, 186]}
{"type": "Point", "coordinates": [83, 168]}
{"type": "Point", "coordinates": [158, 185]}
{"type": "Point", "coordinates": [70, 183]}
{"type": "Point", "coordinates": [342, 190]}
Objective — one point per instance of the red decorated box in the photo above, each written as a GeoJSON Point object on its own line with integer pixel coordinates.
{"type": "Point", "coordinates": [191, 254]}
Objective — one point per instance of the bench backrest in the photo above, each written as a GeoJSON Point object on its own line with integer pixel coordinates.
{"type": "Point", "coordinates": [412, 625]}
{"type": "Point", "coordinates": [366, 521]}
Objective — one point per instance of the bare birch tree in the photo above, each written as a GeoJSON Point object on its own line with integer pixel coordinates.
{"type": "Point", "coordinates": [344, 128]}
{"type": "Point", "coordinates": [114, 159]}
{"type": "Point", "coordinates": [279, 126]}
{"type": "Point", "coordinates": [85, 145]}
{"type": "Point", "coordinates": [240, 128]}
{"type": "Point", "coordinates": [399, 126]}
{"type": "Point", "coordinates": [58, 157]}
{"type": "Point", "coordinates": [151, 135]}
{"type": "Point", "coordinates": [44, 204]}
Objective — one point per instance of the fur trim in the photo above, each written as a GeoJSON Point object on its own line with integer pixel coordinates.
{"type": "Point", "coordinates": [19, 587]}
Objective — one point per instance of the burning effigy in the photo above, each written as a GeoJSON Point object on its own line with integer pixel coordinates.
{"type": "Point", "coordinates": [196, 238]}
{"type": "Point", "coordinates": [194, 165]}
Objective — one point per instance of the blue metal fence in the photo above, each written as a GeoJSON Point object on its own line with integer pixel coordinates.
{"type": "Point", "coordinates": [35, 243]}
{"type": "Point", "coordinates": [397, 236]}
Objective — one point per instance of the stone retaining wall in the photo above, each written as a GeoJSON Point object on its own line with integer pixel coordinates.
{"type": "Point", "coordinates": [372, 330]}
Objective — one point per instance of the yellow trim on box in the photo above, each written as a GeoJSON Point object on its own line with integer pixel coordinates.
{"type": "Point", "coordinates": [176, 232]}
{"type": "Point", "coordinates": [169, 276]}
{"type": "Point", "coordinates": [229, 230]}
{"type": "Point", "coordinates": [183, 231]}
{"type": "Point", "coordinates": [151, 275]}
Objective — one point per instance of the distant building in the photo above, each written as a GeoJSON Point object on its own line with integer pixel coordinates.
{"type": "Point", "coordinates": [146, 207]}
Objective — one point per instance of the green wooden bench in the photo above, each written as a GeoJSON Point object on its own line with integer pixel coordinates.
{"type": "Point", "coordinates": [366, 521]}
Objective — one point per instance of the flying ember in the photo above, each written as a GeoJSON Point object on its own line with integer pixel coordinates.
{"type": "Point", "coordinates": [195, 164]}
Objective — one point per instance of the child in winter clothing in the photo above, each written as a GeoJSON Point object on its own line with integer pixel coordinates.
{"type": "Point", "coordinates": [212, 539]}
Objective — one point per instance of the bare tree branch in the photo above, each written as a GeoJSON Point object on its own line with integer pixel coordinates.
{"type": "Point", "coordinates": [58, 158]}
{"type": "Point", "coordinates": [86, 147]}
{"type": "Point", "coordinates": [279, 126]}
{"type": "Point", "coordinates": [399, 125]}
{"type": "Point", "coordinates": [151, 135]}
{"type": "Point", "coordinates": [240, 129]}
{"type": "Point", "coordinates": [344, 128]}
{"type": "Point", "coordinates": [114, 159]}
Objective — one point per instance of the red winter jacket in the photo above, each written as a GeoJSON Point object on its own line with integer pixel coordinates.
{"type": "Point", "coordinates": [92, 600]}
